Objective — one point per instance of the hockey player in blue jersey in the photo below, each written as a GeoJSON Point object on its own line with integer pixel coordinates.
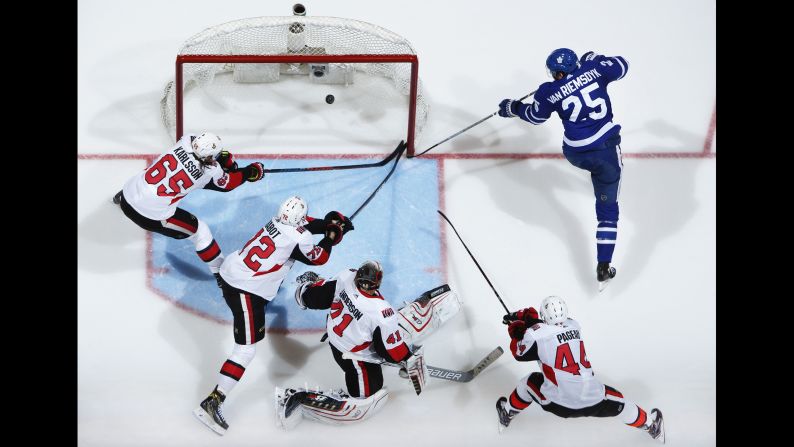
{"type": "Point", "coordinates": [591, 140]}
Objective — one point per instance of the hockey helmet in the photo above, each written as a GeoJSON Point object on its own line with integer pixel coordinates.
{"type": "Point", "coordinates": [207, 146]}
{"type": "Point", "coordinates": [293, 212]}
{"type": "Point", "coordinates": [553, 310]}
{"type": "Point", "coordinates": [562, 59]}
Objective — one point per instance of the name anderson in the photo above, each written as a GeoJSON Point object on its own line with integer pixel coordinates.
{"type": "Point", "coordinates": [350, 307]}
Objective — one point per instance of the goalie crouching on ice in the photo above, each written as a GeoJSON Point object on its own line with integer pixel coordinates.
{"type": "Point", "coordinates": [364, 332]}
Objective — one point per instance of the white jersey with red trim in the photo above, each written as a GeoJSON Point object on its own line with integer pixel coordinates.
{"type": "Point", "coordinates": [263, 263]}
{"type": "Point", "coordinates": [569, 378]}
{"type": "Point", "coordinates": [155, 191]}
{"type": "Point", "coordinates": [354, 316]}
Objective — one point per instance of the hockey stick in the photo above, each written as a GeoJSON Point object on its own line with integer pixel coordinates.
{"type": "Point", "coordinates": [434, 371]}
{"type": "Point", "coordinates": [400, 149]}
{"type": "Point", "coordinates": [475, 261]}
{"type": "Point", "coordinates": [464, 130]}
{"type": "Point", "coordinates": [336, 168]}
{"type": "Point", "coordinates": [459, 376]}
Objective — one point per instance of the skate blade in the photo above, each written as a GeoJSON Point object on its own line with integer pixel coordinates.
{"type": "Point", "coordinates": [603, 284]}
{"type": "Point", "coordinates": [661, 431]}
{"type": "Point", "coordinates": [206, 419]}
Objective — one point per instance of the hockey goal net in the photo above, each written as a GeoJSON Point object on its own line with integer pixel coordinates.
{"type": "Point", "coordinates": [373, 70]}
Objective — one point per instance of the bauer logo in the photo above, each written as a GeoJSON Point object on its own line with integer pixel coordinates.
{"type": "Point", "coordinates": [444, 374]}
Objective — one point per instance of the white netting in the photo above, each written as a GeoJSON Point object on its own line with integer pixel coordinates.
{"type": "Point", "coordinates": [291, 35]}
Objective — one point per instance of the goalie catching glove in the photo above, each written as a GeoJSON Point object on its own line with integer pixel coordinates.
{"type": "Point", "coordinates": [417, 369]}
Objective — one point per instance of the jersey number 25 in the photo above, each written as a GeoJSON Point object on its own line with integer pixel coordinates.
{"type": "Point", "coordinates": [574, 101]}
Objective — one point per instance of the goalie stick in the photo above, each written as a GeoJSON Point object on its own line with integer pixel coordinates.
{"type": "Point", "coordinates": [443, 373]}
{"type": "Point", "coordinates": [383, 162]}
{"type": "Point", "coordinates": [460, 376]}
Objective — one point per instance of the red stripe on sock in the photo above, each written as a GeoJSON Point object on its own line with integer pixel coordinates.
{"type": "Point", "coordinates": [211, 252]}
{"type": "Point", "coordinates": [641, 418]}
{"type": "Point", "coordinates": [232, 370]}
{"type": "Point", "coordinates": [516, 402]}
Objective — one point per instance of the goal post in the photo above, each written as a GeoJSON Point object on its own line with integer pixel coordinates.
{"type": "Point", "coordinates": [325, 50]}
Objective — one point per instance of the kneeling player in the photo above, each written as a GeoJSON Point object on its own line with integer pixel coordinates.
{"type": "Point", "coordinates": [363, 332]}
{"type": "Point", "coordinates": [568, 387]}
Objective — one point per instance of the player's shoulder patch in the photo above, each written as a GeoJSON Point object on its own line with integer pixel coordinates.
{"type": "Point", "coordinates": [223, 180]}
{"type": "Point", "coordinates": [387, 312]}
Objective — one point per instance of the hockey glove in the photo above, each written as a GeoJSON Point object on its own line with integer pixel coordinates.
{"type": "Point", "coordinates": [334, 232]}
{"type": "Point", "coordinates": [522, 315]}
{"type": "Point", "coordinates": [254, 172]}
{"type": "Point", "coordinates": [508, 108]}
{"type": "Point", "coordinates": [339, 219]}
{"type": "Point", "coordinates": [226, 160]}
{"type": "Point", "coordinates": [517, 329]}
{"type": "Point", "coordinates": [417, 369]}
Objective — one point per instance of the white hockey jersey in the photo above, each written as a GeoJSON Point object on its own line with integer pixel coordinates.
{"type": "Point", "coordinates": [355, 315]}
{"type": "Point", "coordinates": [154, 192]}
{"type": "Point", "coordinates": [569, 378]}
{"type": "Point", "coordinates": [263, 263]}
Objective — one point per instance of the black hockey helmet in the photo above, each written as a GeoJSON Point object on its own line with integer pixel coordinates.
{"type": "Point", "coordinates": [369, 276]}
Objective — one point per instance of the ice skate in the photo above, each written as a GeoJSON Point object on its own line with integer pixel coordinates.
{"type": "Point", "coordinates": [505, 415]}
{"type": "Point", "coordinates": [209, 412]}
{"type": "Point", "coordinates": [656, 430]}
{"type": "Point", "coordinates": [605, 273]}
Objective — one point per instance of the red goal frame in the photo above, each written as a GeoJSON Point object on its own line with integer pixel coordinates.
{"type": "Point", "coordinates": [301, 58]}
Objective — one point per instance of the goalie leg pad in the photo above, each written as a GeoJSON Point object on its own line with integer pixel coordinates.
{"type": "Point", "coordinates": [423, 316]}
{"type": "Point", "coordinates": [317, 407]}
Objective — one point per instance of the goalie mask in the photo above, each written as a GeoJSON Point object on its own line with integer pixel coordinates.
{"type": "Point", "coordinates": [293, 212]}
{"type": "Point", "coordinates": [553, 310]}
{"type": "Point", "coordinates": [369, 276]}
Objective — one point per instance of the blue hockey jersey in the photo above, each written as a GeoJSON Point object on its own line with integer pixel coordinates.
{"type": "Point", "coordinates": [581, 101]}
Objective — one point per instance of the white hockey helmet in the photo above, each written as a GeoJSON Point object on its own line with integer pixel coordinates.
{"type": "Point", "coordinates": [207, 145]}
{"type": "Point", "coordinates": [553, 310]}
{"type": "Point", "coordinates": [293, 212]}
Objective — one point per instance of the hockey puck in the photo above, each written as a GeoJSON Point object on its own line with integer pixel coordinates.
{"type": "Point", "coordinates": [329, 99]}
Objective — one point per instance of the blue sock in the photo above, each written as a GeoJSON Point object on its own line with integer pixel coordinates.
{"type": "Point", "coordinates": [606, 235]}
